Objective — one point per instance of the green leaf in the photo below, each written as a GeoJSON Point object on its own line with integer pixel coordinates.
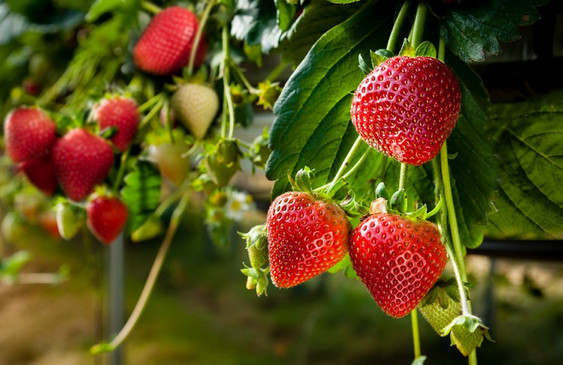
{"type": "Point", "coordinates": [285, 13]}
{"type": "Point", "coordinates": [425, 49]}
{"type": "Point", "coordinates": [312, 126]}
{"type": "Point", "coordinates": [473, 29]}
{"type": "Point", "coordinates": [256, 22]}
{"type": "Point", "coordinates": [530, 149]}
{"type": "Point", "coordinates": [141, 193]}
{"type": "Point", "coordinates": [317, 18]}
{"type": "Point", "coordinates": [99, 7]}
{"type": "Point", "coordinates": [13, 25]}
{"type": "Point", "coordinates": [10, 266]}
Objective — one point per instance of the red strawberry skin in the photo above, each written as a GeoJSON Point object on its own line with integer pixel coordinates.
{"type": "Point", "coordinates": [306, 237]}
{"type": "Point", "coordinates": [40, 172]}
{"type": "Point", "coordinates": [407, 107]}
{"type": "Point", "coordinates": [82, 160]}
{"type": "Point", "coordinates": [165, 45]}
{"type": "Point", "coordinates": [121, 113]}
{"type": "Point", "coordinates": [29, 133]}
{"type": "Point", "coordinates": [398, 259]}
{"type": "Point", "coordinates": [106, 218]}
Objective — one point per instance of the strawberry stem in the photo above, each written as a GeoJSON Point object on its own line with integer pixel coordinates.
{"type": "Point", "coordinates": [121, 171]}
{"type": "Point", "coordinates": [226, 85]}
{"type": "Point", "coordinates": [418, 26]}
{"type": "Point", "coordinates": [150, 7]}
{"type": "Point", "coordinates": [415, 334]}
{"type": "Point", "coordinates": [245, 81]}
{"type": "Point", "coordinates": [403, 176]}
{"type": "Point", "coordinates": [149, 284]}
{"type": "Point", "coordinates": [394, 36]}
{"type": "Point", "coordinates": [351, 154]}
{"type": "Point", "coordinates": [198, 34]}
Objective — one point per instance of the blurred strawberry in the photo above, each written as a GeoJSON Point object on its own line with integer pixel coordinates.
{"type": "Point", "coordinates": [122, 113]}
{"type": "Point", "coordinates": [171, 161]}
{"type": "Point", "coordinates": [106, 217]}
{"type": "Point", "coordinates": [29, 133]}
{"type": "Point", "coordinates": [40, 172]}
{"type": "Point", "coordinates": [70, 219]}
{"type": "Point", "coordinates": [82, 160]}
{"type": "Point", "coordinates": [195, 106]}
{"type": "Point", "coordinates": [165, 45]}
{"type": "Point", "coordinates": [48, 221]}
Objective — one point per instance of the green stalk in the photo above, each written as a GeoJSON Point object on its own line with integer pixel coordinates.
{"type": "Point", "coordinates": [198, 35]}
{"type": "Point", "coordinates": [418, 27]}
{"type": "Point", "coordinates": [121, 170]}
{"type": "Point", "coordinates": [276, 71]}
{"type": "Point", "coordinates": [149, 284]}
{"type": "Point", "coordinates": [415, 334]}
{"type": "Point", "coordinates": [150, 7]}
{"type": "Point", "coordinates": [226, 85]}
{"type": "Point", "coordinates": [347, 159]}
{"type": "Point", "coordinates": [394, 36]}
{"type": "Point", "coordinates": [403, 176]}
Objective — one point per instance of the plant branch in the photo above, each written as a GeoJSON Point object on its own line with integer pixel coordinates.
{"type": "Point", "coordinates": [226, 85]}
{"type": "Point", "coordinates": [394, 36]}
{"type": "Point", "coordinates": [150, 283]}
{"type": "Point", "coordinates": [419, 20]}
{"type": "Point", "coordinates": [198, 35]}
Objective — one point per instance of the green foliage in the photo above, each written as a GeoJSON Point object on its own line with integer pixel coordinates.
{"type": "Point", "coordinates": [141, 193]}
{"type": "Point", "coordinates": [256, 22]}
{"type": "Point", "coordinates": [474, 29]}
{"type": "Point", "coordinates": [530, 148]}
{"type": "Point", "coordinates": [312, 126]}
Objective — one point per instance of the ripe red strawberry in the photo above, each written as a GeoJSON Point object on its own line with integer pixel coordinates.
{"type": "Point", "coordinates": [407, 107]}
{"type": "Point", "coordinates": [165, 45]}
{"type": "Point", "coordinates": [122, 113]}
{"type": "Point", "coordinates": [195, 105]}
{"type": "Point", "coordinates": [40, 172]}
{"type": "Point", "coordinates": [29, 133]}
{"type": "Point", "coordinates": [306, 237]}
{"type": "Point", "coordinates": [398, 259]}
{"type": "Point", "coordinates": [106, 217]}
{"type": "Point", "coordinates": [81, 161]}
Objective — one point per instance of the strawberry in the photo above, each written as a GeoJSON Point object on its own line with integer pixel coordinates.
{"type": "Point", "coordinates": [195, 106]}
{"type": "Point", "coordinates": [106, 217]}
{"type": "Point", "coordinates": [122, 113]}
{"type": "Point", "coordinates": [440, 313]}
{"type": "Point", "coordinates": [48, 221]}
{"type": "Point", "coordinates": [29, 133]}
{"type": "Point", "coordinates": [40, 172]}
{"type": "Point", "coordinates": [407, 107]}
{"type": "Point", "coordinates": [398, 259]}
{"type": "Point", "coordinates": [166, 43]}
{"type": "Point", "coordinates": [81, 161]}
{"type": "Point", "coordinates": [306, 237]}
{"type": "Point", "coordinates": [171, 160]}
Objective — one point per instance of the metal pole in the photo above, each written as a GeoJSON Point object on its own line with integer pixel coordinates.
{"type": "Point", "coordinates": [116, 297]}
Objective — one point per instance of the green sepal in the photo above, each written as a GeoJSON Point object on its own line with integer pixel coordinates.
{"type": "Point", "coordinates": [381, 191]}
{"type": "Point", "coordinates": [420, 213]}
{"type": "Point", "coordinates": [426, 49]}
{"type": "Point", "coordinates": [407, 49]}
{"type": "Point", "coordinates": [108, 132]}
{"type": "Point", "coordinates": [363, 65]}
{"type": "Point", "coordinates": [303, 180]}
{"type": "Point", "coordinates": [398, 201]}
{"type": "Point", "coordinates": [419, 360]}
{"type": "Point", "coordinates": [379, 56]}
{"type": "Point", "coordinates": [257, 279]}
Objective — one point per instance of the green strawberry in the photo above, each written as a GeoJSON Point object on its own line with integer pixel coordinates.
{"type": "Point", "coordinates": [70, 219]}
{"type": "Point", "coordinates": [195, 105]}
{"type": "Point", "coordinates": [440, 309]}
{"type": "Point", "coordinates": [223, 162]}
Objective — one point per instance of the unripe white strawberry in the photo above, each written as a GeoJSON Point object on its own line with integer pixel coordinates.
{"type": "Point", "coordinates": [195, 105]}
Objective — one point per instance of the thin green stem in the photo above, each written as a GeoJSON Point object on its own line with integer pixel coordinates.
{"type": "Point", "coordinates": [226, 79]}
{"type": "Point", "coordinates": [155, 109]}
{"type": "Point", "coordinates": [150, 283]}
{"type": "Point", "coordinates": [419, 20]}
{"type": "Point", "coordinates": [121, 170]}
{"type": "Point", "coordinates": [415, 334]}
{"type": "Point", "coordinates": [450, 207]}
{"type": "Point", "coordinates": [245, 81]}
{"type": "Point", "coordinates": [150, 7]}
{"type": "Point", "coordinates": [357, 165]}
{"type": "Point", "coordinates": [442, 50]}
{"type": "Point", "coordinates": [198, 34]}
{"type": "Point", "coordinates": [351, 154]}
{"type": "Point", "coordinates": [403, 176]}
{"type": "Point", "coordinates": [394, 36]}
{"type": "Point", "coordinates": [276, 71]}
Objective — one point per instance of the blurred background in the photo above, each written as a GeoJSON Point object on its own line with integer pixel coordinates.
{"type": "Point", "coordinates": [201, 313]}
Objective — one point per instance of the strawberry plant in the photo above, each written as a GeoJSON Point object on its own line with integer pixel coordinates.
{"type": "Point", "coordinates": [386, 157]}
